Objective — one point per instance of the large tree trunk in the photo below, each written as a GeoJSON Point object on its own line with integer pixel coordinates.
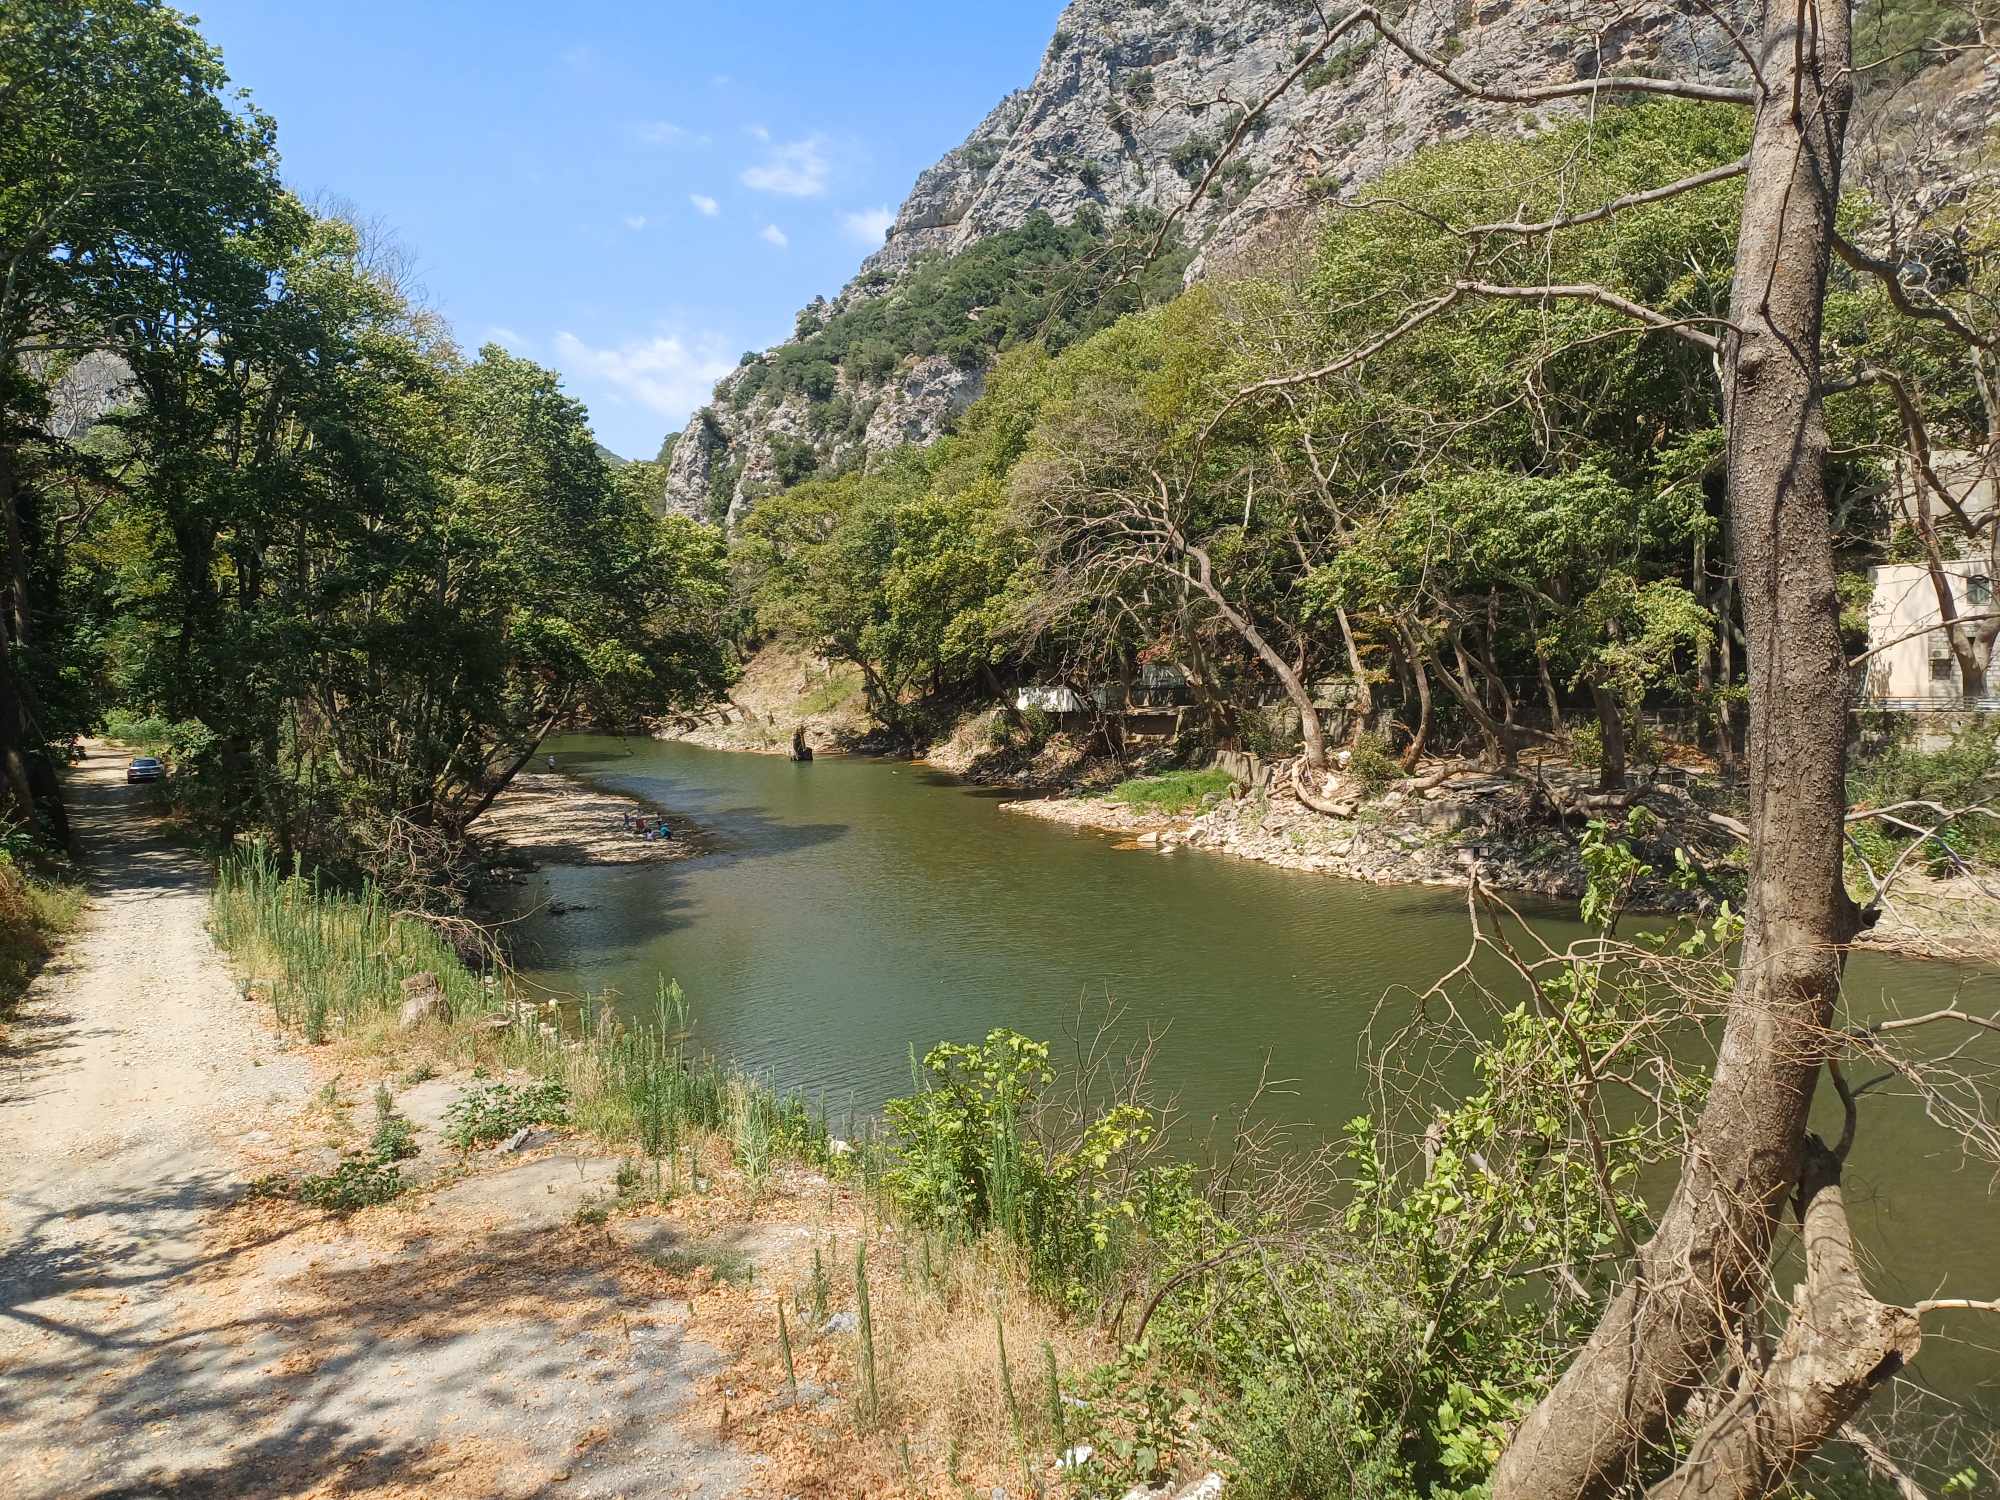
{"type": "Point", "coordinates": [1839, 1346]}
{"type": "Point", "coordinates": [1707, 1261]}
{"type": "Point", "coordinates": [16, 696]}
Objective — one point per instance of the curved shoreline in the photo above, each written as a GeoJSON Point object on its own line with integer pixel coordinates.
{"type": "Point", "coordinates": [555, 818]}
{"type": "Point", "coordinates": [1934, 920]}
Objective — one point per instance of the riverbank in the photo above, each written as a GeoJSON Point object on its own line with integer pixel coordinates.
{"type": "Point", "coordinates": [761, 1314]}
{"type": "Point", "coordinates": [1428, 830]}
{"type": "Point", "coordinates": [548, 818]}
{"type": "Point", "coordinates": [1435, 837]}
{"type": "Point", "coordinates": [353, 1220]}
{"type": "Point", "coordinates": [782, 689]}
{"type": "Point", "coordinates": [1438, 837]}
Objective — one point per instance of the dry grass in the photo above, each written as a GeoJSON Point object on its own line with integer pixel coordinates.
{"type": "Point", "coordinates": [944, 1424]}
{"type": "Point", "coordinates": [34, 917]}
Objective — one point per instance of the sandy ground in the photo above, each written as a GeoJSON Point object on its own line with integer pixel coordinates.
{"type": "Point", "coordinates": [553, 819]}
{"type": "Point", "coordinates": [162, 1333]}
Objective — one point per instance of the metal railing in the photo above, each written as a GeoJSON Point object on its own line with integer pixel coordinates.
{"type": "Point", "coordinates": [1935, 703]}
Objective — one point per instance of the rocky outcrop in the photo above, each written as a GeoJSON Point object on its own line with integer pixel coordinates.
{"type": "Point", "coordinates": [1129, 106]}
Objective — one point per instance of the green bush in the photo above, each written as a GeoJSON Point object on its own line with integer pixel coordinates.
{"type": "Point", "coordinates": [34, 914]}
{"type": "Point", "coordinates": [362, 1180]}
{"type": "Point", "coordinates": [1173, 791]}
{"type": "Point", "coordinates": [1039, 280]}
{"type": "Point", "coordinates": [971, 1152]}
{"type": "Point", "coordinates": [1371, 764]}
{"type": "Point", "coordinates": [1958, 774]}
{"type": "Point", "coordinates": [494, 1111]}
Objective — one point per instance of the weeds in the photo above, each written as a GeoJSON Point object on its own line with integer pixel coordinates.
{"type": "Point", "coordinates": [395, 1138]}
{"type": "Point", "coordinates": [493, 1111]}
{"type": "Point", "coordinates": [336, 962]}
{"type": "Point", "coordinates": [1173, 791]}
{"type": "Point", "coordinates": [722, 1264]}
{"type": "Point", "coordinates": [362, 1180]}
{"type": "Point", "coordinates": [865, 1312]}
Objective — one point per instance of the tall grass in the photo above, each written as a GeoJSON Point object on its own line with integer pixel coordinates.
{"type": "Point", "coordinates": [34, 915]}
{"type": "Point", "coordinates": [332, 963]}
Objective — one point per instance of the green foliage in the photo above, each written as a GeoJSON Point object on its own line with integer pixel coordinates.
{"type": "Point", "coordinates": [491, 1112]}
{"type": "Point", "coordinates": [969, 1156]}
{"type": "Point", "coordinates": [362, 1180]}
{"type": "Point", "coordinates": [1959, 774]}
{"type": "Point", "coordinates": [1173, 791]}
{"type": "Point", "coordinates": [1339, 66]}
{"type": "Point", "coordinates": [1371, 764]}
{"type": "Point", "coordinates": [395, 1138]}
{"type": "Point", "coordinates": [347, 575]}
{"type": "Point", "coordinates": [1044, 282]}
{"type": "Point", "coordinates": [36, 913]}
{"type": "Point", "coordinates": [1894, 40]}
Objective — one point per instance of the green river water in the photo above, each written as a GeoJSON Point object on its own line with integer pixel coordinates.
{"type": "Point", "coordinates": [856, 908]}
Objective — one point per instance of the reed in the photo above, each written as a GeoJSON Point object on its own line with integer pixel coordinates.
{"type": "Point", "coordinates": [332, 963]}
{"type": "Point", "coordinates": [867, 1322]}
{"type": "Point", "coordinates": [785, 1348]}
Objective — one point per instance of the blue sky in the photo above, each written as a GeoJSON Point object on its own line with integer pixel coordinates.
{"type": "Point", "coordinates": [633, 193]}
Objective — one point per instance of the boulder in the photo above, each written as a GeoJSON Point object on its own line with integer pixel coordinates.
{"type": "Point", "coordinates": [423, 1000]}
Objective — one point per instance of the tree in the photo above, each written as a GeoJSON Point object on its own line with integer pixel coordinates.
{"type": "Point", "coordinates": [1691, 1287]}
{"type": "Point", "coordinates": [132, 179]}
{"type": "Point", "coordinates": [1146, 509]}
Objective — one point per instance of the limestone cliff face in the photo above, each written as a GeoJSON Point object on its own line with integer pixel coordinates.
{"type": "Point", "coordinates": [1127, 109]}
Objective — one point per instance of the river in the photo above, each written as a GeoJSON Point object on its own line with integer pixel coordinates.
{"type": "Point", "coordinates": [856, 908]}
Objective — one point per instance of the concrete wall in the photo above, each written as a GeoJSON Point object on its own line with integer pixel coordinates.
{"type": "Point", "coordinates": [1905, 602]}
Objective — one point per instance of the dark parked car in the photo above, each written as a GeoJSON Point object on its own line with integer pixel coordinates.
{"type": "Point", "coordinates": [144, 768]}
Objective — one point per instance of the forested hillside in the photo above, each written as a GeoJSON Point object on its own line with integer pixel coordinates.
{"type": "Point", "coordinates": [1230, 121]}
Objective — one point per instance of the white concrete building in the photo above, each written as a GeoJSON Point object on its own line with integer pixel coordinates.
{"type": "Point", "coordinates": [1912, 666]}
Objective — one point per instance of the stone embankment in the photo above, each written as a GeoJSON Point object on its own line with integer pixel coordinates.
{"type": "Point", "coordinates": [1435, 836]}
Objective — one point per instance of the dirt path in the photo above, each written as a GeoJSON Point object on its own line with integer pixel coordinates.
{"type": "Point", "coordinates": [158, 1336]}
{"type": "Point", "coordinates": [131, 1065]}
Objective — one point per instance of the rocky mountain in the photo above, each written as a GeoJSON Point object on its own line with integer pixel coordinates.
{"type": "Point", "coordinates": [1126, 112]}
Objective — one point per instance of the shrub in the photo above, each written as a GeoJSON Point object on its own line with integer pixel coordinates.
{"type": "Point", "coordinates": [494, 1111]}
{"type": "Point", "coordinates": [33, 915]}
{"type": "Point", "coordinates": [968, 1154]}
{"type": "Point", "coordinates": [1192, 156]}
{"type": "Point", "coordinates": [395, 1138]}
{"type": "Point", "coordinates": [362, 1180]}
{"type": "Point", "coordinates": [1371, 764]}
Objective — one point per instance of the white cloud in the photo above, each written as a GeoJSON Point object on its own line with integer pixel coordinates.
{"type": "Point", "coordinates": [506, 337]}
{"type": "Point", "coordinates": [869, 226]}
{"type": "Point", "coordinates": [757, 132]}
{"type": "Point", "coordinates": [666, 374]}
{"type": "Point", "coordinates": [704, 205]}
{"type": "Point", "coordinates": [635, 221]}
{"type": "Point", "coordinates": [771, 234]}
{"type": "Point", "coordinates": [667, 133]}
{"type": "Point", "coordinates": [794, 169]}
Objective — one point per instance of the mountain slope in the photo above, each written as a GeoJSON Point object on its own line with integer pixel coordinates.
{"type": "Point", "coordinates": [1126, 112]}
